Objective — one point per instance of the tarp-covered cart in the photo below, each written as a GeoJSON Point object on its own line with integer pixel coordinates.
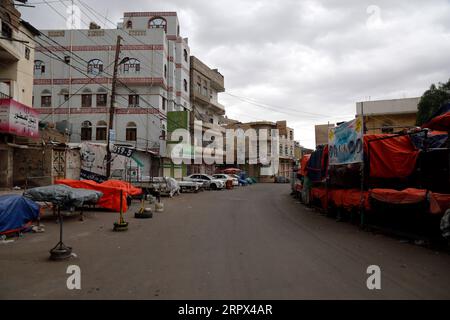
{"type": "Point", "coordinates": [62, 196]}
{"type": "Point", "coordinates": [16, 213]}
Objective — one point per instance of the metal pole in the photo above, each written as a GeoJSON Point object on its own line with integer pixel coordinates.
{"type": "Point", "coordinates": [448, 146]}
{"type": "Point", "coordinates": [60, 226]}
{"type": "Point", "coordinates": [112, 109]}
{"type": "Point", "coordinates": [121, 204]}
{"type": "Point", "coordinates": [361, 208]}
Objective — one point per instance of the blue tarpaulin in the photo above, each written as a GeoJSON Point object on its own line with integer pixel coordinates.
{"type": "Point", "coordinates": [15, 212]}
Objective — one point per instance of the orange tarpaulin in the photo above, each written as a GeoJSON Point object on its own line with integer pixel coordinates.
{"type": "Point", "coordinates": [320, 194]}
{"type": "Point", "coordinates": [125, 186]}
{"type": "Point", "coordinates": [441, 122]}
{"type": "Point", "coordinates": [390, 158]}
{"type": "Point", "coordinates": [111, 195]}
{"type": "Point", "coordinates": [349, 198]}
{"type": "Point", "coordinates": [439, 202]}
{"type": "Point", "coordinates": [407, 196]}
{"type": "Point", "coordinates": [304, 164]}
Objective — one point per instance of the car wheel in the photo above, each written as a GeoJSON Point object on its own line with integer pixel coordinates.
{"type": "Point", "coordinates": [213, 186]}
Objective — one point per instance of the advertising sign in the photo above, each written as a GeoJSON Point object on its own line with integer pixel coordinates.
{"type": "Point", "coordinates": [93, 162]}
{"type": "Point", "coordinates": [18, 119]}
{"type": "Point", "coordinates": [93, 158]}
{"type": "Point", "coordinates": [345, 142]}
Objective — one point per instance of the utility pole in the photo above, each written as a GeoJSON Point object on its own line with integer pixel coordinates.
{"type": "Point", "coordinates": [112, 108]}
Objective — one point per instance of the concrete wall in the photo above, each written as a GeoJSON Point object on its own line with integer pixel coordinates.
{"type": "Point", "coordinates": [16, 69]}
{"type": "Point", "coordinates": [32, 167]}
{"type": "Point", "coordinates": [6, 166]}
{"type": "Point", "coordinates": [405, 105]}
{"type": "Point", "coordinates": [397, 122]}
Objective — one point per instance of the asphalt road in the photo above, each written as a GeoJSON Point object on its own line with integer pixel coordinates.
{"type": "Point", "coordinates": [255, 242]}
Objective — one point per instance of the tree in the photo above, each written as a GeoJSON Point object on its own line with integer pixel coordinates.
{"type": "Point", "coordinates": [431, 101]}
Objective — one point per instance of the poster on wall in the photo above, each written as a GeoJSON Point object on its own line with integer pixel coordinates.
{"type": "Point", "coordinates": [345, 142]}
{"type": "Point", "coordinates": [18, 119]}
{"type": "Point", "coordinates": [93, 162]}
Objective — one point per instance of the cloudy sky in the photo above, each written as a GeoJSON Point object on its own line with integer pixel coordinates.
{"type": "Point", "coordinates": [304, 61]}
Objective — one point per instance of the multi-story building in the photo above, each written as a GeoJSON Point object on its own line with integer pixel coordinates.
{"type": "Point", "coordinates": [17, 118]}
{"type": "Point", "coordinates": [206, 83]}
{"type": "Point", "coordinates": [286, 143]}
{"type": "Point", "coordinates": [286, 148]}
{"type": "Point", "coordinates": [153, 78]}
{"type": "Point", "coordinates": [388, 116]}
{"type": "Point", "coordinates": [204, 118]}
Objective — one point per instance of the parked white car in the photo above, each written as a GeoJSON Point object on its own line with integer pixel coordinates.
{"type": "Point", "coordinates": [208, 181]}
{"type": "Point", "coordinates": [225, 177]}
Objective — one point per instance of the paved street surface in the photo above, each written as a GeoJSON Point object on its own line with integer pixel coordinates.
{"type": "Point", "coordinates": [255, 242]}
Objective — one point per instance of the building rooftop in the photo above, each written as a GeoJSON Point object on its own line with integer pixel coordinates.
{"type": "Point", "coordinates": [392, 106]}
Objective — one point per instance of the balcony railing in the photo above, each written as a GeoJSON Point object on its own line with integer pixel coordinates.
{"type": "Point", "coordinates": [4, 96]}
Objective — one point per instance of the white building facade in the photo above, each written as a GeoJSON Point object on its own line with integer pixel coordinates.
{"type": "Point", "coordinates": [153, 78]}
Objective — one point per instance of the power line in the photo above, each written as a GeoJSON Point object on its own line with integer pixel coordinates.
{"type": "Point", "coordinates": [160, 115]}
{"type": "Point", "coordinates": [144, 58]}
{"type": "Point", "coordinates": [73, 94]}
{"type": "Point", "coordinates": [274, 108]}
{"type": "Point", "coordinates": [121, 82]}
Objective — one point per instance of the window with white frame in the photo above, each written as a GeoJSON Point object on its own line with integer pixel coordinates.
{"type": "Point", "coordinates": [95, 66]}
{"type": "Point", "coordinates": [131, 65]}
{"type": "Point", "coordinates": [157, 22]}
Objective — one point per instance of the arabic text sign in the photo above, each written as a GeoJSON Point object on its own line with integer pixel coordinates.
{"type": "Point", "coordinates": [345, 142]}
{"type": "Point", "coordinates": [18, 119]}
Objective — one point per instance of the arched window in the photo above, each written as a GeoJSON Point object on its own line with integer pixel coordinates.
{"type": "Point", "coordinates": [39, 67]}
{"type": "Point", "coordinates": [95, 67]}
{"type": "Point", "coordinates": [86, 131]}
{"type": "Point", "coordinates": [101, 97]}
{"type": "Point", "coordinates": [131, 132]}
{"type": "Point", "coordinates": [130, 65]}
{"type": "Point", "coordinates": [100, 131]}
{"type": "Point", "coordinates": [46, 99]}
{"type": "Point", "coordinates": [185, 54]}
{"type": "Point", "coordinates": [86, 98]}
{"type": "Point", "coordinates": [157, 22]}
{"type": "Point", "coordinates": [185, 84]}
{"type": "Point", "coordinates": [129, 24]}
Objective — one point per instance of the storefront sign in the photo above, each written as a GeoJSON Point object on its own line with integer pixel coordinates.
{"type": "Point", "coordinates": [18, 119]}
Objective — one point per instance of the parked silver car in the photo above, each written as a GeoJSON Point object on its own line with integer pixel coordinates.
{"type": "Point", "coordinates": [208, 181]}
{"type": "Point", "coordinates": [225, 177]}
